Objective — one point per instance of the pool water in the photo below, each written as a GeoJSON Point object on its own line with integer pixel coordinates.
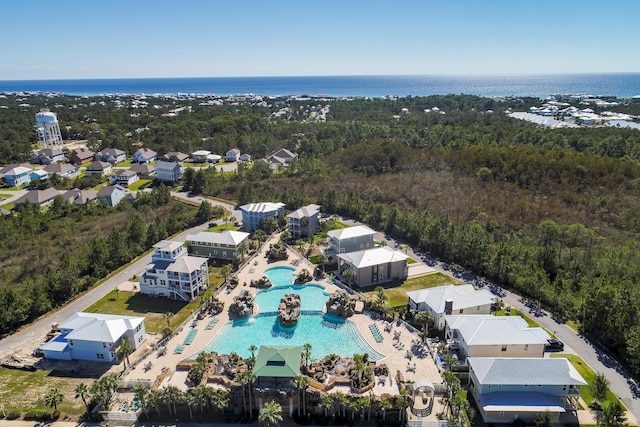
{"type": "Point", "coordinates": [327, 334]}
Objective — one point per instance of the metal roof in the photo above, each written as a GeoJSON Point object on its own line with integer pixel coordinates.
{"type": "Point", "coordinates": [496, 330]}
{"type": "Point", "coordinates": [280, 361]}
{"type": "Point", "coordinates": [375, 256]}
{"type": "Point", "coordinates": [351, 232]}
{"type": "Point", "coordinates": [463, 296]}
{"type": "Point", "coordinates": [524, 371]}
{"type": "Point", "coordinates": [262, 207]}
{"type": "Point", "coordinates": [229, 237]}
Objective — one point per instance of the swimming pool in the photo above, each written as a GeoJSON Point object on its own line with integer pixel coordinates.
{"type": "Point", "coordinates": [280, 276]}
{"type": "Point", "coordinates": [312, 297]}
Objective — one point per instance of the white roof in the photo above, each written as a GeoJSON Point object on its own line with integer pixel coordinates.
{"type": "Point", "coordinates": [305, 211]}
{"type": "Point", "coordinates": [351, 232]}
{"type": "Point", "coordinates": [463, 296]}
{"type": "Point", "coordinates": [18, 170]}
{"type": "Point", "coordinates": [496, 330]}
{"type": "Point", "coordinates": [201, 153]}
{"type": "Point", "coordinates": [521, 371]}
{"type": "Point", "coordinates": [167, 245]}
{"type": "Point", "coordinates": [228, 237]}
{"type": "Point", "coordinates": [375, 256]}
{"type": "Point", "coordinates": [187, 264]}
{"type": "Point", "coordinates": [99, 327]}
{"type": "Point", "coordinates": [262, 207]}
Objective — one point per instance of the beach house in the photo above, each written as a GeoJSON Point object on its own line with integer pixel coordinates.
{"type": "Point", "coordinates": [304, 221]}
{"type": "Point", "coordinates": [226, 245]}
{"type": "Point", "coordinates": [350, 239]}
{"type": "Point", "coordinates": [374, 266]}
{"type": "Point", "coordinates": [255, 215]}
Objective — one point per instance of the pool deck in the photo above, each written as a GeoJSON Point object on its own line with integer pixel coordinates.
{"type": "Point", "coordinates": [420, 366]}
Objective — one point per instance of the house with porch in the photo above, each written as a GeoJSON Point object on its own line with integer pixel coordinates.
{"type": "Point", "coordinates": [40, 198]}
{"type": "Point", "coordinates": [509, 389]}
{"type": "Point", "coordinates": [255, 215]}
{"type": "Point", "coordinates": [173, 273]}
{"type": "Point", "coordinates": [111, 155]}
{"type": "Point", "coordinates": [233, 155]}
{"type": "Point", "coordinates": [200, 156]}
{"type": "Point", "coordinates": [374, 266]}
{"type": "Point", "coordinates": [81, 155]}
{"type": "Point", "coordinates": [98, 168]}
{"type": "Point", "coordinates": [95, 337]}
{"type": "Point", "coordinates": [281, 157]}
{"type": "Point", "coordinates": [39, 175]}
{"type": "Point", "coordinates": [125, 178]}
{"type": "Point", "coordinates": [144, 170]}
{"type": "Point", "coordinates": [175, 156]}
{"type": "Point", "coordinates": [494, 336]}
{"type": "Point", "coordinates": [47, 156]}
{"type": "Point", "coordinates": [451, 299]}
{"type": "Point", "coordinates": [226, 245]}
{"type": "Point", "coordinates": [64, 170]}
{"type": "Point", "coordinates": [80, 197]}
{"type": "Point", "coordinates": [144, 155]}
{"type": "Point", "coordinates": [350, 239]}
{"type": "Point", "coordinates": [18, 175]}
{"type": "Point", "coordinates": [168, 171]}
{"type": "Point", "coordinates": [113, 194]}
{"type": "Point", "coordinates": [304, 221]}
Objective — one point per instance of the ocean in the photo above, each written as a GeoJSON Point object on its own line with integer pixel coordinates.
{"type": "Point", "coordinates": [624, 85]}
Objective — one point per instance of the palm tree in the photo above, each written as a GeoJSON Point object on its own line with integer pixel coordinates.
{"type": "Point", "coordinates": [252, 359]}
{"type": "Point", "coordinates": [251, 378]}
{"type": "Point", "coordinates": [192, 400]}
{"type": "Point", "coordinates": [424, 319]}
{"type": "Point", "coordinates": [141, 392]}
{"type": "Point", "coordinates": [270, 415]}
{"type": "Point", "coordinates": [306, 352]}
{"type": "Point", "coordinates": [124, 350]}
{"type": "Point", "coordinates": [242, 249]}
{"type": "Point", "coordinates": [348, 275]}
{"type": "Point", "coordinates": [342, 401]}
{"type": "Point", "coordinates": [220, 400]}
{"type": "Point", "coordinates": [384, 406]}
{"type": "Point", "coordinates": [260, 236]}
{"type": "Point", "coordinates": [403, 402]}
{"type": "Point", "coordinates": [241, 378]}
{"type": "Point", "coordinates": [171, 396]}
{"type": "Point", "coordinates": [225, 271]}
{"type": "Point", "coordinates": [296, 382]}
{"type": "Point", "coordinates": [326, 403]}
{"type": "Point", "coordinates": [200, 397]}
{"type": "Point", "coordinates": [381, 298]}
{"type": "Point", "coordinates": [322, 261]}
{"type": "Point", "coordinates": [232, 219]}
{"type": "Point", "coordinates": [167, 317]}
{"type": "Point", "coordinates": [81, 392]}
{"type": "Point", "coordinates": [53, 398]}
{"type": "Point", "coordinates": [154, 400]}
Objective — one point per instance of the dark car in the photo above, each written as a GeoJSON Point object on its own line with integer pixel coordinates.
{"type": "Point", "coordinates": [554, 345]}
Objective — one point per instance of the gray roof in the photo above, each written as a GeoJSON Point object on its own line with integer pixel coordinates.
{"type": "Point", "coordinates": [58, 168]}
{"type": "Point", "coordinates": [162, 165]}
{"type": "Point", "coordinates": [7, 168]}
{"type": "Point", "coordinates": [114, 152]}
{"type": "Point", "coordinates": [108, 190]}
{"type": "Point", "coordinates": [521, 371]}
{"type": "Point", "coordinates": [99, 166]}
{"type": "Point", "coordinates": [351, 232]}
{"type": "Point", "coordinates": [99, 327]}
{"type": "Point", "coordinates": [38, 197]}
{"type": "Point", "coordinates": [496, 330]}
{"type": "Point", "coordinates": [228, 237]}
{"type": "Point", "coordinates": [80, 197]}
{"type": "Point", "coordinates": [305, 212]}
{"type": "Point", "coordinates": [262, 207]}
{"type": "Point", "coordinates": [143, 168]}
{"type": "Point", "coordinates": [187, 264]}
{"type": "Point", "coordinates": [375, 256]}
{"type": "Point", "coordinates": [463, 296]}
{"type": "Point", "coordinates": [168, 245]}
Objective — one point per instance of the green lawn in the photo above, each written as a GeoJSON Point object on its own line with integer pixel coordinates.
{"type": "Point", "coordinates": [588, 374]}
{"type": "Point", "coordinates": [127, 163]}
{"type": "Point", "coordinates": [7, 206]}
{"type": "Point", "coordinates": [223, 227]}
{"type": "Point", "coordinates": [6, 196]}
{"type": "Point", "coordinates": [11, 189]}
{"type": "Point", "coordinates": [139, 184]}
{"type": "Point", "coordinates": [411, 261]}
{"type": "Point", "coordinates": [397, 292]}
{"type": "Point", "coordinates": [532, 323]}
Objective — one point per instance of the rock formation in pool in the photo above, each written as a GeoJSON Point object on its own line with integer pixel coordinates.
{"type": "Point", "coordinates": [289, 310]}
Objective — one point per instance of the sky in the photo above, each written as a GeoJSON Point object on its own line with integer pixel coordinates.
{"type": "Point", "coordinates": [76, 39]}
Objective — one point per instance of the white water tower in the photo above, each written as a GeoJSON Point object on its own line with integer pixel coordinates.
{"type": "Point", "coordinates": [49, 135]}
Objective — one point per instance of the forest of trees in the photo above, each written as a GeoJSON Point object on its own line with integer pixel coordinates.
{"type": "Point", "coordinates": [549, 213]}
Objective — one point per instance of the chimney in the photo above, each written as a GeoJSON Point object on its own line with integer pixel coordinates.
{"type": "Point", "coordinates": [448, 306]}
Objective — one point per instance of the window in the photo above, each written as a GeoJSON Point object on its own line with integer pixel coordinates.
{"type": "Point", "coordinates": [100, 355]}
{"type": "Point", "coordinates": [105, 345]}
{"type": "Point", "coordinates": [461, 310]}
{"type": "Point", "coordinates": [70, 342]}
{"type": "Point", "coordinates": [478, 308]}
{"type": "Point", "coordinates": [526, 347]}
{"type": "Point", "coordinates": [504, 348]}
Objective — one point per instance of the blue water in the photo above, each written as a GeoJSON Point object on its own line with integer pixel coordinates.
{"type": "Point", "coordinates": [624, 85]}
{"type": "Point", "coordinates": [312, 297]}
{"type": "Point", "coordinates": [280, 276]}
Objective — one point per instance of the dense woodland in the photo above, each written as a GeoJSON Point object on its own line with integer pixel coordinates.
{"type": "Point", "coordinates": [551, 214]}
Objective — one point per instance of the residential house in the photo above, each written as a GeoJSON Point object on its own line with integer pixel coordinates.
{"type": "Point", "coordinates": [64, 170]}
{"type": "Point", "coordinates": [47, 156]}
{"type": "Point", "coordinates": [168, 171]}
{"type": "Point", "coordinates": [39, 175]}
{"type": "Point", "coordinates": [494, 336]}
{"type": "Point", "coordinates": [18, 175]}
{"type": "Point", "coordinates": [350, 239]}
{"type": "Point", "coordinates": [245, 157]}
{"type": "Point", "coordinates": [174, 274]}
{"type": "Point", "coordinates": [200, 156]}
{"type": "Point", "coordinates": [233, 155]}
{"type": "Point", "coordinates": [225, 245]}
{"type": "Point", "coordinates": [113, 194]}
{"type": "Point", "coordinates": [95, 337]}
{"type": "Point", "coordinates": [40, 198]}
{"type": "Point", "coordinates": [175, 156]}
{"type": "Point", "coordinates": [80, 197]}
{"type": "Point", "coordinates": [304, 221]}
{"type": "Point", "coordinates": [144, 155]}
{"type": "Point", "coordinates": [81, 155]}
{"type": "Point", "coordinates": [214, 158]}
{"type": "Point", "coordinates": [451, 299]}
{"type": "Point", "coordinates": [111, 155]}
{"type": "Point", "coordinates": [98, 168]}
{"type": "Point", "coordinates": [374, 266]}
{"type": "Point", "coordinates": [125, 178]}
{"type": "Point", "coordinates": [508, 389]}
{"type": "Point", "coordinates": [281, 157]}
{"type": "Point", "coordinates": [144, 170]}
{"type": "Point", "coordinates": [256, 215]}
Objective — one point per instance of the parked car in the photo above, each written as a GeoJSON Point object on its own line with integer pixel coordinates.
{"type": "Point", "coordinates": [554, 345]}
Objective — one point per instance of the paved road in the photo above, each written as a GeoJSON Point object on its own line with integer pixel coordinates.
{"type": "Point", "coordinates": [21, 339]}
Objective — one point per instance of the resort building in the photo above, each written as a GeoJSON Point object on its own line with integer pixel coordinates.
{"type": "Point", "coordinates": [255, 215]}
{"type": "Point", "coordinates": [200, 156]}
{"type": "Point", "coordinates": [111, 155]}
{"type": "Point", "coordinates": [226, 245]}
{"type": "Point", "coordinates": [350, 239]}
{"type": "Point", "coordinates": [125, 178]}
{"type": "Point", "coordinates": [374, 266]}
{"type": "Point", "coordinates": [508, 389]}
{"type": "Point", "coordinates": [277, 364]}
{"type": "Point", "coordinates": [94, 336]}
{"type": "Point", "coordinates": [168, 171]}
{"type": "Point", "coordinates": [494, 336]}
{"type": "Point", "coordinates": [451, 299]}
{"type": "Point", "coordinates": [304, 222]}
{"type": "Point", "coordinates": [174, 274]}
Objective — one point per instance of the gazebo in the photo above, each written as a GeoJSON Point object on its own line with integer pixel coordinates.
{"type": "Point", "coordinates": [422, 398]}
{"type": "Point", "coordinates": [278, 361]}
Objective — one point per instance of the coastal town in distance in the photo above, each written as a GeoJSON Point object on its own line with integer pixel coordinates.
{"type": "Point", "coordinates": [437, 260]}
